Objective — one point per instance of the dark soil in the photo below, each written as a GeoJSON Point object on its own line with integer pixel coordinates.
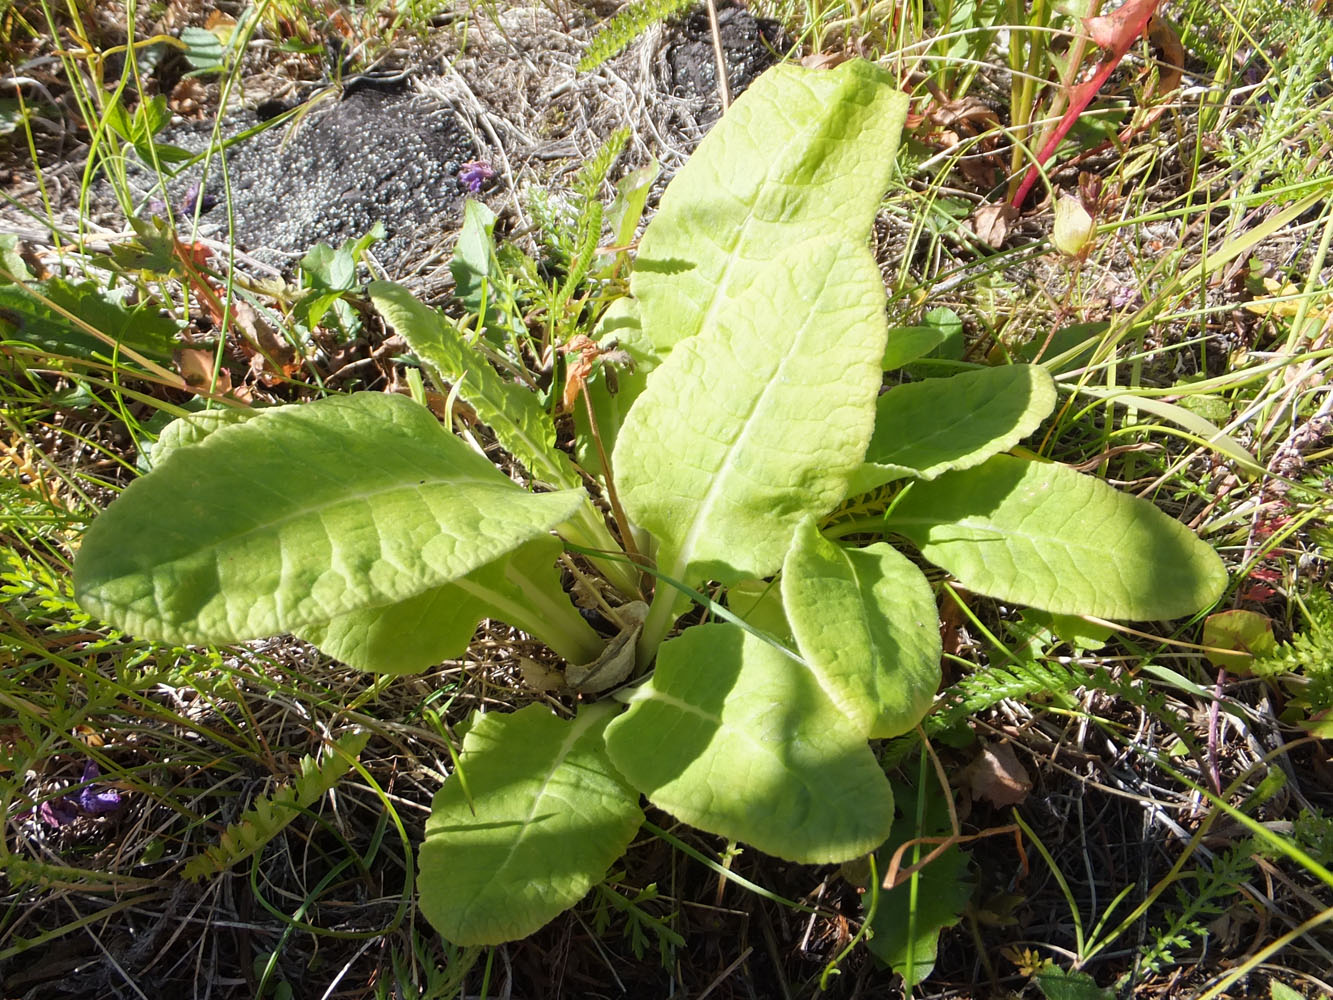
{"type": "Point", "coordinates": [369, 156]}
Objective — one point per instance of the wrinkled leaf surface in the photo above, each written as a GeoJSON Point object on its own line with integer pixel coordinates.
{"type": "Point", "coordinates": [1043, 535]}
{"type": "Point", "coordinates": [300, 514]}
{"type": "Point", "coordinates": [551, 815]}
{"type": "Point", "coordinates": [735, 737]}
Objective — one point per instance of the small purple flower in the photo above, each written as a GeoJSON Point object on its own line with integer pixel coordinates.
{"type": "Point", "coordinates": [1124, 296]}
{"type": "Point", "coordinates": [192, 197]}
{"type": "Point", "coordinates": [474, 174]}
{"type": "Point", "coordinates": [89, 800]}
{"type": "Point", "coordinates": [94, 800]}
{"type": "Point", "coordinates": [58, 812]}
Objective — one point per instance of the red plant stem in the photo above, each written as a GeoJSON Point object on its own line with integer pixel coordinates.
{"type": "Point", "coordinates": [1084, 93]}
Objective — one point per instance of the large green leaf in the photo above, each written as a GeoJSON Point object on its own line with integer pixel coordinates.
{"type": "Point", "coordinates": [512, 411]}
{"type": "Point", "coordinates": [758, 266]}
{"type": "Point", "coordinates": [194, 427]}
{"type": "Point", "coordinates": [735, 737]}
{"type": "Point", "coordinates": [865, 621]}
{"type": "Point", "coordinates": [801, 155]}
{"type": "Point", "coordinates": [542, 817]}
{"type": "Point", "coordinates": [300, 514]}
{"type": "Point", "coordinates": [758, 421]}
{"type": "Point", "coordinates": [521, 588]}
{"type": "Point", "coordinates": [1044, 535]}
{"type": "Point", "coordinates": [941, 424]}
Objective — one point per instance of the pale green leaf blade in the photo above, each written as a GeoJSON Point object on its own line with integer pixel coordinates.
{"type": "Point", "coordinates": [298, 515]}
{"type": "Point", "coordinates": [511, 411]}
{"type": "Point", "coordinates": [908, 343]}
{"type": "Point", "coordinates": [552, 814]}
{"type": "Point", "coordinates": [760, 420]}
{"type": "Point", "coordinates": [734, 737]}
{"type": "Point", "coordinates": [473, 263]}
{"type": "Point", "coordinates": [402, 638]}
{"type": "Point", "coordinates": [865, 621]}
{"type": "Point", "coordinates": [940, 424]}
{"type": "Point", "coordinates": [1044, 535]}
{"type": "Point", "coordinates": [521, 588]}
{"type": "Point", "coordinates": [800, 155]}
{"type": "Point", "coordinates": [756, 276]}
{"type": "Point", "coordinates": [190, 430]}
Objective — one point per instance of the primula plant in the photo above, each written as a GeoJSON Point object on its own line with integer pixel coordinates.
{"type": "Point", "coordinates": [754, 411]}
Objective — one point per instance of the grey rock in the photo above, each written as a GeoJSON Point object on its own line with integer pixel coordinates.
{"type": "Point", "coordinates": [370, 157]}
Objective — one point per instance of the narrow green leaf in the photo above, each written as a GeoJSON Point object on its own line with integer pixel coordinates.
{"type": "Point", "coordinates": [908, 343]}
{"type": "Point", "coordinates": [759, 603]}
{"type": "Point", "coordinates": [28, 321]}
{"type": "Point", "coordinates": [940, 334]}
{"type": "Point", "coordinates": [940, 424]}
{"type": "Point", "coordinates": [511, 411]}
{"type": "Point", "coordinates": [551, 815]}
{"type": "Point", "coordinates": [1208, 434]}
{"type": "Point", "coordinates": [1044, 535]}
{"type": "Point", "coordinates": [521, 588]}
{"type": "Point", "coordinates": [736, 738]}
{"type": "Point", "coordinates": [300, 514]}
{"type": "Point", "coordinates": [801, 155]}
{"type": "Point", "coordinates": [866, 623]}
{"type": "Point", "coordinates": [474, 255]}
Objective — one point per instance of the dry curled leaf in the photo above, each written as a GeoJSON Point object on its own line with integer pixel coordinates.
{"type": "Point", "coordinates": [1119, 28]}
{"type": "Point", "coordinates": [998, 777]}
{"type": "Point", "coordinates": [991, 223]}
{"type": "Point", "coordinates": [1171, 55]}
{"type": "Point", "coordinates": [583, 352]}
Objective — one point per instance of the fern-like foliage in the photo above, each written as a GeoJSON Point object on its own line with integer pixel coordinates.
{"type": "Point", "coordinates": [629, 23]}
{"type": "Point", "coordinates": [1201, 895]}
{"type": "Point", "coordinates": [986, 688]}
{"type": "Point", "coordinates": [591, 212]}
{"type": "Point", "coordinates": [269, 816]}
{"type": "Point", "coordinates": [1046, 678]}
{"type": "Point", "coordinates": [1308, 655]}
